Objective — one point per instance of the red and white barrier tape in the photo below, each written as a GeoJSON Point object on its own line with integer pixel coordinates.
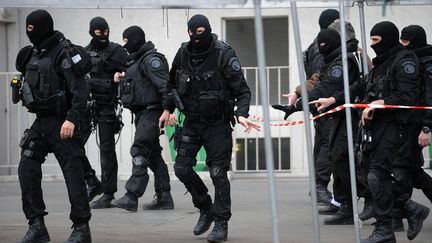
{"type": "Point", "coordinates": [341, 107]}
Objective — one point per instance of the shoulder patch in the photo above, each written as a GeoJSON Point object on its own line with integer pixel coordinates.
{"type": "Point", "coordinates": [409, 67]}
{"type": "Point", "coordinates": [66, 63]}
{"type": "Point", "coordinates": [234, 63]}
{"type": "Point", "coordinates": [336, 72]}
{"type": "Point", "coordinates": [155, 62]}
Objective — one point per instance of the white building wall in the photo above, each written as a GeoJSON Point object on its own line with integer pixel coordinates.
{"type": "Point", "coordinates": [167, 29]}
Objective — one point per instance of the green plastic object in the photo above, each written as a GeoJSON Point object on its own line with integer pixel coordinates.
{"type": "Point", "coordinates": [430, 161]}
{"type": "Point", "coordinates": [201, 157]}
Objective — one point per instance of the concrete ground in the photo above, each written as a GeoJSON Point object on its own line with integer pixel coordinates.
{"type": "Point", "coordinates": [250, 222]}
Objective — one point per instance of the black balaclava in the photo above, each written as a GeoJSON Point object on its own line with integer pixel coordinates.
{"type": "Point", "coordinates": [327, 17]}
{"type": "Point", "coordinates": [135, 38]}
{"type": "Point", "coordinates": [331, 38]}
{"type": "Point", "coordinates": [99, 23]}
{"type": "Point", "coordinates": [205, 38]}
{"type": "Point", "coordinates": [389, 37]}
{"type": "Point", "coordinates": [416, 35]}
{"type": "Point", "coordinates": [43, 26]}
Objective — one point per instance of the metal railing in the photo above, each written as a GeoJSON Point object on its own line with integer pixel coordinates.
{"type": "Point", "coordinates": [253, 158]}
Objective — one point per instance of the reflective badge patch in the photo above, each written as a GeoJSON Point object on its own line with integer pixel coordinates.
{"type": "Point", "coordinates": [76, 58]}
{"type": "Point", "coordinates": [66, 63]}
{"type": "Point", "coordinates": [155, 62]}
{"type": "Point", "coordinates": [336, 72]}
{"type": "Point", "coordinates": [234, 64]}
{"type": "Point", "coordinates": [408, 67]}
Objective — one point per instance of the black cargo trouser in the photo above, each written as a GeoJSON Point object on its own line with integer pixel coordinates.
{"type": "Point", "coordinates": [147, 145]}
{"type": "Point", "coordinates": [408, 171]}
{"type": "Point", "coordinates": [379, 156]}
{"type": "Point", "coordinates": [323, 165]}
{"type": "Point", "coordinates": [217, 142]}
{"type": "Point", "coordinates": [109, 165]}
{"type": "Point", "coordinates": [340, 160]}
{"type": "Point", "coordinates": [42, 138]}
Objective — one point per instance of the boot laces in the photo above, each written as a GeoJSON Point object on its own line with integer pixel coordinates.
{"type": "Point", "coordinates": [378, 230]}
{"type": "Point", "coordinates": [219, 225]}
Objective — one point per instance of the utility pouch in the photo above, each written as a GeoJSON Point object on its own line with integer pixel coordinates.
{"type": "Point", "coordinates": [127, 86]}
{"type": "Point", "coordinates": [210, 105]}
{"type": "Point", "coordinates": [177, 137]}
{"type": "Point", "coordinates": [183, 82]}
{"type": "Point", "coordinates": [27, 94]}
{"type": "Point", "coordinates": [25, 138]}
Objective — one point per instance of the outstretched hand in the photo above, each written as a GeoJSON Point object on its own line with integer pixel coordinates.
{"type": "Point", "coordinates": [323, 103]}
{"type": "Point", "coordinates": [292, 98]}
{"type": "Point", "coordinates": [248, 124]}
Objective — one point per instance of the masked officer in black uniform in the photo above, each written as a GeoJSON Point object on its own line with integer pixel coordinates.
{"type": "Point", "coordinates": [313, 61]}
{"type": "Point", "coordinates": [205, 77]}
{"type": "Point", "coordinates": [107, 58]}
{"type": "Point", "coordinates": [55, 90]}
{"type": "Point", "coordinates": [407, 169]}
{"type": "Point", "coordinates": [414, 38]}
{"type": "Point", "coordinates": [394, 80]}
{"type": "Point", "coordinates": [148, 74]}
{"type": "Point", "coordinates": [331, 81]}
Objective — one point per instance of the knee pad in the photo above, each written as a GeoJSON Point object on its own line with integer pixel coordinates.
{"type": "Point", "coordinates": [139, 166]}
{"type": "Point", "coordinates": [373, 181]}
{"type": "Point", "coordinates": [218, 175]}
{"type": "Point", "coordinates": [182, 172]}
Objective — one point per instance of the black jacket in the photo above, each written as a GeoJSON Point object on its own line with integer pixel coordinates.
{"type": "Point", "coordinates": [150, 72]}
{"type": "Point", "coordinates": [228, 68]}
{"type": "Point", "coordinates": [51, 58]}
{"type": "Point", "coordinates": [399, 71]}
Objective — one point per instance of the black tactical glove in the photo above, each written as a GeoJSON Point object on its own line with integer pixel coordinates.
{"type": "Point", "coordinates": [288, 109]}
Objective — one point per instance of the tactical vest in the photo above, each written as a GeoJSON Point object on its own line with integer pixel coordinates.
{"type": "Point", "coordinates": [137, 91]}
{"type": "Point", "coordinates": [382, 86]}
{"type": "Point", "coordinates": [44, 90]}
{"type": "Point", "coordinates": [203, 89]}
{"type": "Point", "coordinates": [101, 85]}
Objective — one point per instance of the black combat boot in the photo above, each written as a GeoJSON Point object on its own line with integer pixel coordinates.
{"type": "Point", "coordinates": [324, 197]}
{"type": "Point", "coordinates": [94, 187]}
{"type": "Point", "coordinates": [163, 201]}
{"type": "Point", "coordinates": [129, 202]}
{"type": "Point", "coordinates": [416, 214]}
{"type": "Point", "coordinates": [367, 212]}
{"type": "Point", "coordinates": [37, 232]}
{"type": "Point", "coordinates": [205, 219]}
{"type": "Point", "coordinates": [80, 234]}
{"type": "Point", "coordinates": [219, 232]}
{"type": "Point", "coordinates": [102, 202]}
{"type": "Point", "coordinates": [328, 209]}
{"type": "Point", "coordinates": [381, 234]}
{"type": "Point", "coordinates": [343, 216]}
{"type": "Point", "coordinates": [397, 225]}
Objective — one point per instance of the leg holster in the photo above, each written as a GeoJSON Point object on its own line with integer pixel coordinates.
{"type": "Point", "coordinates": [32, 146]}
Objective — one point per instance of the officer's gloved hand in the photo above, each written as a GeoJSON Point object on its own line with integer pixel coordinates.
{"type": "Point", "coordinates": [288, 109]}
